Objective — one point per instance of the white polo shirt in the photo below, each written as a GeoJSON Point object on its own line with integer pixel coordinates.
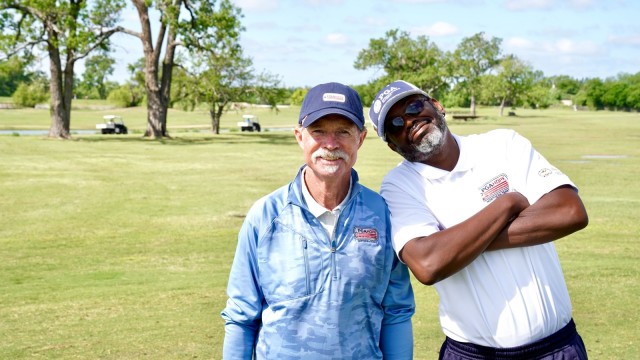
{"type": "Point", "coordinates": [504, 298]}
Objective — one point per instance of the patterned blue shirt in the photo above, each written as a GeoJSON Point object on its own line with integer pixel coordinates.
{"type": "Point", "coordinates": [294, 293]}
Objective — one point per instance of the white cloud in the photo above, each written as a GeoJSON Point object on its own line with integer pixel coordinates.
{"type": "Point", "coordinates": [552, 48]}
{"type": "Point", "coordinates": [625, 40]}
{"type": "Point", "coordinates": [519, 43]}
{"type": "Point", "coordinates": [438, 29]}
{"type": "Point", "coordinates": [570, 47]}
{"type": "Point", "coordinates": [524, 5]}
{"type": "Point", "coordinates": [582, 4]}
{"type": "Point", "coordinates": [337, 39]}
{"type": "Point", "coordinates": [519, 5]}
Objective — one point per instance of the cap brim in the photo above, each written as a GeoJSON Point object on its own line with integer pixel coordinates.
{"type": "Point", "coordinates": [313, 117]}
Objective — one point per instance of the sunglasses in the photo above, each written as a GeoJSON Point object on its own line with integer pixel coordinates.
{"type": "Point", "coordinates": [413, 109]}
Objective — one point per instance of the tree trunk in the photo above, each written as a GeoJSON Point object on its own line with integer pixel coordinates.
{"type": "Point", "coordinates": [156, 115]}
{"type": "Point", "coordinates": [472, 108]}
{"type": "Point", "coordinates": [215, 113]}
{"type": "Point", "coordinates": [215, 121]}
{"type": "Point", "coordinates": [502, 108]}
{"type": "Point", "coordinates": [61, 88]}
{"type": "Point", "coordinates": [158, 90]}
{"type": "Point", "coordinates": [156, 105]}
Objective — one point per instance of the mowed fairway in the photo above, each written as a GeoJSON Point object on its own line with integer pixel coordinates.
{"type": "Point", "coordinates": [119, 247]}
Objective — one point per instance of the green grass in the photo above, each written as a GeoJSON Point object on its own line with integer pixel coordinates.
{"type": "Point", "coordinates": [119, 247]}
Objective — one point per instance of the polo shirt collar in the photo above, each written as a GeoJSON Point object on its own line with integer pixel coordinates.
{"type": "Point", "coordinates": [465, 162]}
{"type": "Point", "coordinates": [316, 209]}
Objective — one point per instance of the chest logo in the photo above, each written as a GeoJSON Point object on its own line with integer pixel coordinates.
{"type": "Point", "coordinates": [544, 172]}
{"type": "Point", "coordinates": [495, 187]}
{"type": "Point", "coordinates": [365, 234]}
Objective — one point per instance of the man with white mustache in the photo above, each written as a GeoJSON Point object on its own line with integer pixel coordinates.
{"type": "Point", "coordinates": [314, 274]}
{"type": "Point", "coordinates": [475, 216]}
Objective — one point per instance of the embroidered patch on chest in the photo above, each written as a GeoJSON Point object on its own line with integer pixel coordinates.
{"type": "Point", "coordinates": [544, 172]}
{"type": "Point", "coordinates": [494, 187]}
{"type": "Point", "coordinates": [365, 234]}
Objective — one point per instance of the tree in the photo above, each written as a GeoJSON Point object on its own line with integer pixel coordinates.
{"type": "Point", "coordinates": [68, 31]}
{"type": "Point", "coordinates": [633, 92]}
{"type": "Point", "coordinates": [96, 70]}
{"type": "Point", "coordinates": [13, 72]}
{"type": "Point", "coordinates": [474, 57]}
{"type": "Point", "coordinates": [591, 94]}
{"type": "Point", "coordinates": [567, 85]}
{"type": "Point", "coordinates": [298, 96]}
{"type": "Point", "coordinates": [30, 95]}
{"type": "Point", "coordinates": [515, 80]}
{"type": "Point", "coordinates": [195, 24]}
{"type": "Point", "coordinates": [615, 94]}
{"type": "Point", "coordinates": [418, 61]}
{"type": "Point", "coordinates": [543, 93]}
{"type": "Point", "coordinates": [219, 79]}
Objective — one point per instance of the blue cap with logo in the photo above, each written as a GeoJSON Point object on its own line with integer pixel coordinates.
{"type": "Point", "coordinates": [386, 98]}
{"type": "Point", "coordinates": [331, 98]}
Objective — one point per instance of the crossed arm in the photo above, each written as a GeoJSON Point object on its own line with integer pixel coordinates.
{"type": "Point", "coordinates": [508, 222]}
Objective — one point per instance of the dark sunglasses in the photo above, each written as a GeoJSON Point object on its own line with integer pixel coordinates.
{"type": "Point", "coordinates": [413, 109]}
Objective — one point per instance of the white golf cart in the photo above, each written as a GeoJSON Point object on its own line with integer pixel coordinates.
{"type": "Point", "coordinates": [249, 123]}
{"type": "Point", "coordinates": [113, 124]}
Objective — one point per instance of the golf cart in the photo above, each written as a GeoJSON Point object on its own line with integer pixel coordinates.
{"type": "Point", "coordinates": [249, 123]}
{"type": "Point", "coordinates": [113, 124]}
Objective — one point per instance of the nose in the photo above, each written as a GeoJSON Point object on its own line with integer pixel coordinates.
{"type": "Point", "coordinates": [330, 141]}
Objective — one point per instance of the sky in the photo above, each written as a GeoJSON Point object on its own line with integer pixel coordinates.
{"type": "Point", "coordinates": [307, 42]}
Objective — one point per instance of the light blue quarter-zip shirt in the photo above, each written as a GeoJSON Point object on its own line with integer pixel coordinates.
{"type": "Point", "coordinates": [295, 293]}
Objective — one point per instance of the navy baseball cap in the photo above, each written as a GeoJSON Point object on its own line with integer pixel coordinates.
{"type": "Point", "coordinates": [331, 98]}
{"type": "Point", "coordinates": [386, 98]}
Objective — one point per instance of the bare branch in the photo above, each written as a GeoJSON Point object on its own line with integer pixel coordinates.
{"type": "Point", "coordinates": [130, 32]}
{"type": "Point", "coordinates": [99, 40]}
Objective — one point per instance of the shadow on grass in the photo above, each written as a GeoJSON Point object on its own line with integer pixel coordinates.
{"type": "Point", "coordinates": [199, 139]}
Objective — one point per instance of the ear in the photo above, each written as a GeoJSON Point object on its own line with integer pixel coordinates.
{"type": "Point", "coordinates": [363, 134]}
{"type": "Point", "coordinates": [436, 104]}
{"type": "Point", "coordinates": [297, 131]}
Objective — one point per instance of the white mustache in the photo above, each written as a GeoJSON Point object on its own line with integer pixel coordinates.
{"type": "Point", "coordinates": [330, 155]}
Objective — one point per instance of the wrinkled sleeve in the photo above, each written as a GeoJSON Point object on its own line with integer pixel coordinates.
{"type": "Point", "coordinates": [242, 314]}
{"type": "Point", "coordinates": [396, 338]}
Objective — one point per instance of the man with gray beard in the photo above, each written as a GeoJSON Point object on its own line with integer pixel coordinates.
{"type": "Point", "coordinates": [475, 216]}
{"type": "Point", "coordinates": [314, 274]}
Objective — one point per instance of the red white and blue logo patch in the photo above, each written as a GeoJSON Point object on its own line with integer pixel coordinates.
{"type": "Point", "coordinates": [365, 234]}
{"type": "Point", "coordinates": [495, 187]}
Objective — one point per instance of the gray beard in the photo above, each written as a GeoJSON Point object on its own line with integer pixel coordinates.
{"type": "Point", "coordinates": [430, 144]}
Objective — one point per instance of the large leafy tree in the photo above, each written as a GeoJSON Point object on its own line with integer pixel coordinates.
{"type": "Point", "coordinates": [474, 57]}
{"type": "Point", "coordinates": [67, 31]}
{"type": "Point", "coordinates": [193, 24]}
{"type": "Point", "coordinates": [418, 61]}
